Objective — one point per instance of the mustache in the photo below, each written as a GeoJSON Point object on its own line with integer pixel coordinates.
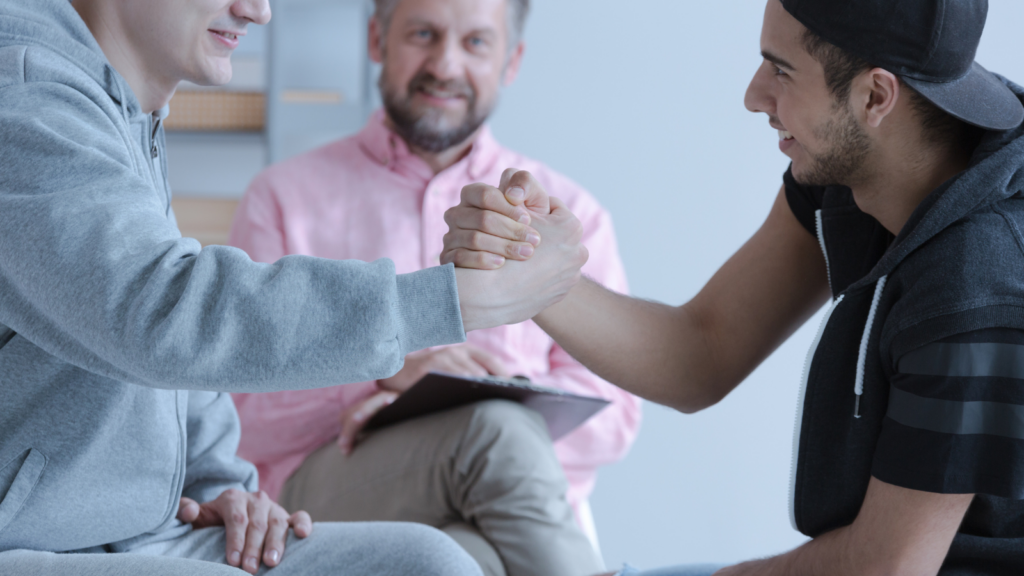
{"type": "Point", "coordinates": [426, 80]}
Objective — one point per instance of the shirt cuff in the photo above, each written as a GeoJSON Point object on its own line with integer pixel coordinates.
{"type": "Point", "coordinates": [428, 309]}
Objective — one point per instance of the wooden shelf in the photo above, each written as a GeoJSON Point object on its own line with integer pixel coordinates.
{"type": "Point", "coordinates": [217, 110]}
{"type": "Point", "coordinates": [205, 219]}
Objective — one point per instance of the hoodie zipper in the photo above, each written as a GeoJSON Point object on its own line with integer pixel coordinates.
{"type": "Point", "coordinates": [800, 409]}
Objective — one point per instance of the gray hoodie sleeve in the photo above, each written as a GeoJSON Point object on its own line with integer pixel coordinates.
{"type": "Point", "coordinates": [94, 271]}
{"type": "Point", "coordinates": [213, 435]}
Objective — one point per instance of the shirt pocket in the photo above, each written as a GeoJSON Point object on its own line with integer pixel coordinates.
{"type": "Point", "coordinates": [17, 479]}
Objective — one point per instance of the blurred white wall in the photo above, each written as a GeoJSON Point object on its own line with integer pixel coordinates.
{"type": "Point", "coordinates": [642, 103]}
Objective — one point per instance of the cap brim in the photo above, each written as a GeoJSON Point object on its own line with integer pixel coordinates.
{"type": "Point", "coordinates": [979, 98]}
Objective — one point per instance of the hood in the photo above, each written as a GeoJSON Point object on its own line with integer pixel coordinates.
{"type": "Point", "coordinates": [996, 172]}
{"type": "Point", "coordinates": [54, 25]}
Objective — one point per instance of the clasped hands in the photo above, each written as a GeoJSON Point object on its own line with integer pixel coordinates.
{"type": "Point", "coordinates": [492, 234]}
{"type": "Point", "coordinates": [517, 251]}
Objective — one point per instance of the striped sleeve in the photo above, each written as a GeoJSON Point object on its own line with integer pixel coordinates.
{"type": "Point", "coordinates": [955, 421]}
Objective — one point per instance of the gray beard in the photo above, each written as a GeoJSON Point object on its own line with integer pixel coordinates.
{"type": "Point", "coordinates": [421, 129]}
{"type": "Point", "coordinates": [848, 148]}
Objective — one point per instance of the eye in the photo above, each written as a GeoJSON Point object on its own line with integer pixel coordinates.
{"type": "Point", "coordinates": [422, 34]}
{"type": "Point", "coordinates": [475, 42]}
{"type": "Point", "coordinates": [778, 71]}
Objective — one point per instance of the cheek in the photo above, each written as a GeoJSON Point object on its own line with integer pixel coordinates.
{"type": "Point", "coordinates": [486, 78]}
{"type": "Point", "coordinates": [401, 66]}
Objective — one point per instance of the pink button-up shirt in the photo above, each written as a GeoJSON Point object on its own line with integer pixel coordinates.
{"type": "Point", "coordinates": [368, 197]}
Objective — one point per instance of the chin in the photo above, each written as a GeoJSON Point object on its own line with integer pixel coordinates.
{"type": "Point", "coordinates": [214, 74]}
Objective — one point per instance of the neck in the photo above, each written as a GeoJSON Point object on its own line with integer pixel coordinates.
{"type": "Point", "coordinates": [903, 179]}
{"type": "Point", "coordinates": [440, 161]}
{"type": "Point", "coordinates": [152, 91]}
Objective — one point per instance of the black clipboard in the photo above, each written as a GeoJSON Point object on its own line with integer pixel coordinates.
{"type": "Point", "coordinates": [436, 391]}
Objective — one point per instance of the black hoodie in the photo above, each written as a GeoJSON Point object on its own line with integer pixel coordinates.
{"type": "Point", "coordinates": [917, 374]}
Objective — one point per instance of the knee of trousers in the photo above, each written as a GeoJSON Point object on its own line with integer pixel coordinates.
{"type": "Point", "coordinates": [427, 551]}
{"type": "Point", "coordinates": [503, 422]}
{"type": "Point", "coordinates": [509, 436]}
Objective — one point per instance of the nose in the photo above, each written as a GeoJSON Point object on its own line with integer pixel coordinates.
{"type": "Point", "coordinates": [759, 96]}
{"type": "Point", "coordinates": [255, 11]}
{"type": "Point", "coordinates": [446, 61]}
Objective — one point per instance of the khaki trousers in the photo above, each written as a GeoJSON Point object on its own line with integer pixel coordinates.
{"type": "Point", "coordinates": [485, 473]}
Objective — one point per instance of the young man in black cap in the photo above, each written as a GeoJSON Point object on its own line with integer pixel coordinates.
{"type": "Point", "coordinates": [904, 204]}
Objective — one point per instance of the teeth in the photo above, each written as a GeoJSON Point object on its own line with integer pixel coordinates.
{"type": "Point", "coordinates": [437, 94]}
{"type": "Point", "coordinates": [784, 135]}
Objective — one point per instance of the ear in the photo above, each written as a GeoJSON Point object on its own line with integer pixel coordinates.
{"type": "Point", "coordinates": [515, 60]}
{"type": "Point", "coordinates": [880, 91]}
{"type": "Point", "coordinates": [374, 39]}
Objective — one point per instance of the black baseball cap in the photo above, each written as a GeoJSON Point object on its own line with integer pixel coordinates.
{"type": "Point", "coordinates": [930, 44]}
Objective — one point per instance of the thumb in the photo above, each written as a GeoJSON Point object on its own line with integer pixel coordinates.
{"type": "Point", "coordinates": [521, 188]}
{"type": "Point", "coordinates": [188, 510]}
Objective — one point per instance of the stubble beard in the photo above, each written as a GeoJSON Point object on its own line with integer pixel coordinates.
{"type": "Point", "coordinates": [423, 128]}
{"type": "Point", "coordinates": [842, 162]}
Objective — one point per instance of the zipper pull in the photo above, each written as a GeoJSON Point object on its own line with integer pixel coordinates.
{"type": "Point", "coordinates": [153, 151]}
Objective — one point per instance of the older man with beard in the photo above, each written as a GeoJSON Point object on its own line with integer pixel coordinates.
{"type": "Point", "coordinates": [487, 474]}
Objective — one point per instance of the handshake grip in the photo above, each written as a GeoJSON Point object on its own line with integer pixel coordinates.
{"type": "Point", "coordinates": [517, 250]}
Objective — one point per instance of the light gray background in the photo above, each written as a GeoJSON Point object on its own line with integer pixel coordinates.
{"type": "Point", "coordinates": [642, 103]}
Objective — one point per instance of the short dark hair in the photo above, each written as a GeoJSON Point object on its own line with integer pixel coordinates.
{"type": "Point", "coordinates": [841, 67]}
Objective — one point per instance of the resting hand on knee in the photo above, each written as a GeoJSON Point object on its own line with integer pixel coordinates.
{"type": "Point", "coordinates": [255, 526]}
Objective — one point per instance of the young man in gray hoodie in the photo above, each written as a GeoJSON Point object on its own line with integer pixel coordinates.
{"type": "Point", "coordinates": [119, 339]}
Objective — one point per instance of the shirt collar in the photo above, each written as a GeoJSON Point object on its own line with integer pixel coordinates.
{"type": "Point", "coordinates": [389, 149]}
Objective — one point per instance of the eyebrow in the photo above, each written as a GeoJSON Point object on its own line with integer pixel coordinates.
{"type": "Point", "coordinates": [776, 60]}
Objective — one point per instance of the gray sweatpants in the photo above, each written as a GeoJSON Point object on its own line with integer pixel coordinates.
{"type": "Point", "coordinates": [333, 549]}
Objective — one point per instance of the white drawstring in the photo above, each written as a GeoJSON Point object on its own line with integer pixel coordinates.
{"type": "Point", "coordinates": [858, 385]}
{"type": "Point", "coordinates": [821, 241]}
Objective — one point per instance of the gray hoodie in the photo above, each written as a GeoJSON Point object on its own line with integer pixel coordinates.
{"type": "Point", "coordinates": [119, 339]}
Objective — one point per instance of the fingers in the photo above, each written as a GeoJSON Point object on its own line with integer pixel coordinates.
{"type": "Point", "coordinates": [259, 506]}
{"type": "Point", "coordinates": [488, 361]}
{"type": "Point", "coordinates": [467, 216]}
{"type": "Point", "coordinates": [233, 506]}
{"type": "Point", "coordinates": [463, 258]}
{"type": "Point", "coordinates": [505, 177]}
{"type": "Point", "coordinates": [188, 510]}
{"type": "Point", "coordinates": [277, 533]}
{"type": "Point", "coordinates": [477, 241]}
{"type": "Point", "coordinates": [483, 239]}
{"type": "Point", "coordinates": [523, 189]}
{"type": "Point", "coordinates": [301, 523]}
{"type": "Point", "coordinates": [355, 418]}
{"type": "Point", "coordinates": [486, 197]}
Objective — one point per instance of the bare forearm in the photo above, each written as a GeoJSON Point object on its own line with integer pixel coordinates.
{"type": "Point", "coordinates": [651, 349]}
{"type": "Point", "coordinates": [898, 532]}
{"type": "Point", "coordinates": [692, 356]}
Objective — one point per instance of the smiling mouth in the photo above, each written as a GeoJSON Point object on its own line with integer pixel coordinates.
{"type": "Point", "coordinates": [784, 135]}
{"type": "Point", "coordinates": [442, 94]}
{"type": "Point", "coordinates": [227, 35]}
